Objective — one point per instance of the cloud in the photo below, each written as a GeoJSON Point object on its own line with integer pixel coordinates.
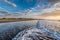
{"type": "Point", "coordinates": [12, 4]}
{"type": "Point", "coordinates": [53, 8]}
{"type": "Point", "coordinates": [32, 11]}
{"type": "Point", "coordinates": [3, 11]}
{"type": "Point", "coordinates": [53, 0]}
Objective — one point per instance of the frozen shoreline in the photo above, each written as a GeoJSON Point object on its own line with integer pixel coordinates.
{"type": "Point", "coordinates": [12, 28]}
{"type": "Point", "coordinates": [46, 28]}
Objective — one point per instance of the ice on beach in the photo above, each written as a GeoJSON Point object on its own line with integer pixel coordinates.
{"type": "Point", "coordinates": [9, 30]}
{"type": "Point", "coordinates": [23, 29]}
{"type": "Point", "coordinates": [44, 29]}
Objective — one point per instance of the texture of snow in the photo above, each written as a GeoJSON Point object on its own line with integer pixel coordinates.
{"type": "Point", "coordinates": [9, 30]}
{"type": "Point", "coordinates": [45, 27]}
{"type": "Point", "coordinates": [23, 29]}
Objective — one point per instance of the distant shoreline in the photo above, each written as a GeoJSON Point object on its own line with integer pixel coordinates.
{"type": "Point", "coordinates": [5, 20]}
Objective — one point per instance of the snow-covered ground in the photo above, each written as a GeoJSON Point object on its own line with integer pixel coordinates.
{"type": "Point", "coordinates": [52, 25]}
{"type": "Point", "coordinates": [9, 30]}
{"type": "Point", "coordinates": [29, 30]}
{"type": "Point", "coordinates": [44, 30]}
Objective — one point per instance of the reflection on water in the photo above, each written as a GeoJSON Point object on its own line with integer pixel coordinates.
{"type": "Point", "coordinates": [30, 30]}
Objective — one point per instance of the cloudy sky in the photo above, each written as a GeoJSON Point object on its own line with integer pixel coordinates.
{"type": "Point", "coordinates": [26, 6]}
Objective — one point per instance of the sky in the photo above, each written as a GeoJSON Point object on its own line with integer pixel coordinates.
{"type": "Point", "coordinates": [8, 7]}
{"type": "Point", "coordinates": [21, 5]}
